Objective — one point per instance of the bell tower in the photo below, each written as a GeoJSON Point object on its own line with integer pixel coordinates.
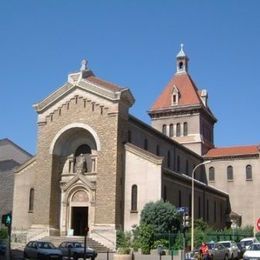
{"type": "Point", "coordinates": [182, 61]}
{"type": "Point", "coordinates": [181, 111]}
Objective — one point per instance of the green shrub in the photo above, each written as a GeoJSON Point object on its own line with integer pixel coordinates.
{"type": "Point", "coordinates": [123, 250]}
{"type": "Point", "coordinates": [3, 233]}
{"type": "Point", "coordinates": [160, 242]}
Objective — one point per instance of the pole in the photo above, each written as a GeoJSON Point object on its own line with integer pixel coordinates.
{"type": "Point", "coordinates": [192, 202]}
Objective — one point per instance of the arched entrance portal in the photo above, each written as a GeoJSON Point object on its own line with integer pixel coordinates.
{"type": "Point", "coordinates": [79, 212]}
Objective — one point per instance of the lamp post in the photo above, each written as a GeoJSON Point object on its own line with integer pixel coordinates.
{"type": "Point", "coordinates": [192, 201]}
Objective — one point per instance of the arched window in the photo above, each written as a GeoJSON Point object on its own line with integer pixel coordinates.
{"type": "Point", "coordinates": [31, 200]}
{"type": "Point", "coordinates": [178, 163]}
{"type": "Point", "coordinates": [169, 159]}
{"type": "Point", "coordinates": [157, 150]}
{"type": "Point", "coordinates": [187, 167]}
{"type": "Point", "coordinates": [145, 144]}
{"type": "Point", "coordinates": [129, 136]}
{"type": "Point", "coordinates": [249, 172]}
{"type": "Point", "coordinates": [178, 129]}
{"type": "Point", "coordinates": [185, 129]}
{"type": "Point", "coordinates": [229, 173]}
{"type": "Point", "coordinates": [164, 129]}
{"type": "Point", "coordinates": [211, 174]}
{"type": "Point", "coordinates": [171, 130]}
{"type": "Point", "coordinates": [134, 198]}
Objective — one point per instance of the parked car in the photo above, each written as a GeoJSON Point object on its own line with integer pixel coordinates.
{"type": "Point", "coordinates": [248, 241]}
{"type": "Point", "coordinates": [3, 247]}
{"type": "Point", "coordinates": [217, 251]}
{"type": "Point", "coordinates": [253, 252]}
{"type": "Point", "coordinates": [42, 250]}
{"type": "Point", "coordinates": [76, 250]}
{"type": "Point", "coordinates": [232, 247]}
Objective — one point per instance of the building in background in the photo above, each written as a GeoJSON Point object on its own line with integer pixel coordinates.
{"type": "Point", "coordinates": [11, 156]}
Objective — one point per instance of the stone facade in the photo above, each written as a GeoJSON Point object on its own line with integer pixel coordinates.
{"type": "Point", "coordinates": [91, 155]}
{"type": "Point", "coordinates": [242, 189]}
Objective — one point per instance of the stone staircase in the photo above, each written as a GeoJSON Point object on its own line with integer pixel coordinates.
{"type": "Point", "coordinates": [56, 240]}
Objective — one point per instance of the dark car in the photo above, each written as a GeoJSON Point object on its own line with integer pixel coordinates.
{"type": "Point", "coordinates": [76, 250]}
{"type": "Point", "coordinates": [42, 250]}
{"type": "Point", "coordinates": [3, 247]}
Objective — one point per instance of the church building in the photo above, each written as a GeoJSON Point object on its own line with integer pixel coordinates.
{"type": "Point", "coordinates": [97, 165]}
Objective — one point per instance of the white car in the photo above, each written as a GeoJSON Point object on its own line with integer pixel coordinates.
{"type": "Point", "coordinates": [248, 241]}
{"type": "Point", "coordinates": [232, 248]}
{"type": "Point", "coordinates": [253, 252]}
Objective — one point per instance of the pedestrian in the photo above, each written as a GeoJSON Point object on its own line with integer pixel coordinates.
{"type": "Point", "coordinates": [204, 251]}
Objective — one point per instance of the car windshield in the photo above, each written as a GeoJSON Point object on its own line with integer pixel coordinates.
{"type": "Point", "coordinates": [78, 245]}
{"type": "Point", "coordinates": [255, 247]}
{"type": "Point", "coordinates": [226, 244]}
{"type": "Point", "coordinates": [247, 242]}
{"type": "Point", "coordinates": [46, 245]}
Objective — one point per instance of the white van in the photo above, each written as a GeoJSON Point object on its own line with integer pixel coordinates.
{"type": "Point", "coordinates": [248, 241]}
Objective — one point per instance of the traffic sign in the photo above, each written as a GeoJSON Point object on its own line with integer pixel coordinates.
{"type": "Point", "coordinates": [258, 224]}
{"type": "Point", "coordinates": [183, 210]}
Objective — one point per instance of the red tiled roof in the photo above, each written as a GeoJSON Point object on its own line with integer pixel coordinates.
{"type": "Point", "coordinates": [187, 90]}
{"type": "Point", "coordinates": [232, 151]}
{"type": "Point", "coordinates": [105, 84]}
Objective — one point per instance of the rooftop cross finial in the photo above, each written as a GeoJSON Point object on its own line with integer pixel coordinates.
{"type": "Point", "coordinates": [84, 64]}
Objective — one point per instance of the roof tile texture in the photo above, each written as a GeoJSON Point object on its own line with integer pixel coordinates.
{"type": "Point", "coordinates": [233, 151]}
{"type": "Point", "coordinates": [187, 90]}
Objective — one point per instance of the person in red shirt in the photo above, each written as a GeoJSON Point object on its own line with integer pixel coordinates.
{"type": "Point", "coordinates": [204, 250]}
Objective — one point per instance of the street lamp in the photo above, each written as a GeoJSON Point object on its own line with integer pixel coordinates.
{"type": "Point", "coordinates": [192, 201]}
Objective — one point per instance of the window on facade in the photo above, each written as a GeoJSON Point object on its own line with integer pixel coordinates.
{"type": "Point", "coordinates": [129, 136]}
{"type": "Point", "coordinates": [179, 198]}
{"type": "Point", "coordinates": [134, 198]}
{"type": "Point", "coordinates": [185, 128]}
{"type": "Point", "coordinates": [249, 172]}
{"type": "Point", "coordinates": [31, 200]}
{"type": "Point", "coordinates": [157, 150]}
{"type": "Point", "coordinates": [164, 193]}
{"type": "Point", "coordinates": [211, 174]}
{"type": "Point", "coordinates": [171, 130]}
{"type": "Point", "coordinates": [180, 65]}
{"type": "Point", "coordinates": [178, 129]}
{"type": "Point", "coordinates": [169, 159]}
{"type": "Point", "coordinates": [187, 167]}
{"type": "Point", "coordinates": [229, 173]}
{"type": "Point", "coordinates": [145, 144]}
{"type": "Point", "coordinates": [174, 99]}
{"type": "Point", "coordinates": [164, 129]}
{"type": "Point", "coordinates": [178, 163]}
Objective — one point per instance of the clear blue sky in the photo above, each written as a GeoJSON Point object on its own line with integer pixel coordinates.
{"type": "Point", "coordinates": [134, 44]}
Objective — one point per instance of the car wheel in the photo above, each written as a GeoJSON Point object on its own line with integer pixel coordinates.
{"type": "Point", "coordinates": [226, 257]}
{"type": "Point", "coordinates": [25, 256]}
{"type": "Point", "coordinates": [75, 257]}
{"type": "Point", "coordinates": [232, 257]}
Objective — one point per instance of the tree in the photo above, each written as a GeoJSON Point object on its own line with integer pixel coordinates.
{"type": "Point", "coordinates": [162, 216]}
